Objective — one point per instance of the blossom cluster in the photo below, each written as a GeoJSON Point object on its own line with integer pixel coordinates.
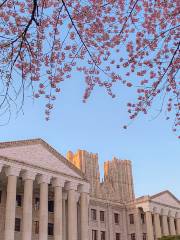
{"type": "Point", "coordinates": [132, 42]}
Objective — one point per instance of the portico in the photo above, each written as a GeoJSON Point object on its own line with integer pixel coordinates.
{"type": "Point", "coordinates": [70, 188]}
{"type": "Point", "coordinates": [162, 219]}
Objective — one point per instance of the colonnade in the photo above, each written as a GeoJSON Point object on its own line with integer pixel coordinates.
{"type": "Point", "coordinates": [162, 223]}
{"type": "Point", "coordinates": [73, 189]}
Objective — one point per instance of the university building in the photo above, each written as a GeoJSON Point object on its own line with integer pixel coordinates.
{"type": "Point", "coordinates": [45, 196]}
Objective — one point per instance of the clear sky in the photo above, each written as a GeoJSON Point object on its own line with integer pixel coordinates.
{"type": "Point", "coordinates": [97, 127]}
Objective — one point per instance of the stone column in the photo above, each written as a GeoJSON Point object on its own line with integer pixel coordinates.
{"type": "Point", "coordinates": [12, 174]}
{"type": "Point", "coordinates": [72, 211]}
{"type": "Point", "coordinates": [28, 178]}
{"type": "Point", "coordinates": [58, 185]}
{"type": "Point", "coordinates": [64, 217]}
{"type": "Point", "coordinates": [172, 226]}
{"type": "Point", "coordinates": [138, 223]}
{"type": "Point", "coordinates": [157, 225]}
{"type": "Point", "coordinates": [84, 190]}
{"type": "Point", "coordinates": [178, 223]}
{"type": "Point", "coordinates": [149, 226]}
{"type": "Point", "coordinates": [165, 225]}
{"type": "Point", "coordinates": [43, 210]}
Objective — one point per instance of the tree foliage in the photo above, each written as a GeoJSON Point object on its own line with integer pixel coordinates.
{"type": "Point", "coordinates": [132, 42]}
{"type": "Point", "coordinates": [170, 238]}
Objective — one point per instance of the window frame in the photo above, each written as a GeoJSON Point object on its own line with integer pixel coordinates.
{"type": "Point", "coordinates": [51, 206]}
{"type": "Point", "coordinates": [50, 229]}
{"type": "Point", "coordinates": [36, 203]}
{"type": "Point", "coordinates": [102, 216]}
{"type": "Point", "coordinates": [94, 234]}
{"type": "Point", "coordinates": [116, 218]}
{"type": "Point", "coordinates": [131, 218]}
{"type": "Point", "coordinates": [118, 236]}
{"type": "Point", "coordinates": [93, 214]}
{"type": "Point", "coordinates": [144, 236]}
{"type": "Point", "coordinates": [17, 225]}
{"type": "Point", "coordinates": [133, 236]}
{"type": "Point", "coordinates": [36, 227]}
{"type": "Point", "coordinates": [18, 200]}
{"type": "Point", "coordinates": [103, 235]}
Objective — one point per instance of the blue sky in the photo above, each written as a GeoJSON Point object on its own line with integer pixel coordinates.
{"type": "Point", "coordinates": [97, 127]}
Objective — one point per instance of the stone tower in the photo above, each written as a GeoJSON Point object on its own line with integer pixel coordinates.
{"type": "Point", "coordinates": [88, 164]}
{"type": "Point", "coordinates": [118, 174]}
{"type": "Point", "coordinates": [118, 181]}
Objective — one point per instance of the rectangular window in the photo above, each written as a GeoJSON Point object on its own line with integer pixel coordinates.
{"type": "Point", "coordinates": [131, 218]}
{"type": "Point", "coordinates": [36, 203]}
{"type": "Point", "coordinates": [18, 200]}
{"type": "Point", "coordinates": [93, 214]}
{"type": "Point", "coordinates": [117, 236]}
{"type": "Point", "coordinates": [102, 217]}
{"type": "Point", "coordinates": [142, 218]}
{"type": "Point", "coordinates": [50, 229]}
{"type": "Point", "coordinates": [116, 218]}
{"type": "Point", "coordinates": [144, 236]}
{"type": "Point", "coordinates": [103, 237]}
{"type": "Point", "coordinates": [94, 235]}
{"type": "Point", "coordinates": [50, 206]}
{"type": "Point", "coordinates": [36, 227]}
{"type": "Point", "coordinates": [133, 236]}
{"type": "Point", "coordinates": [17, 224]}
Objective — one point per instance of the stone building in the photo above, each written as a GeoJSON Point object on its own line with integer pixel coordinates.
{"type": "Point", "coordinates": [45, 196]}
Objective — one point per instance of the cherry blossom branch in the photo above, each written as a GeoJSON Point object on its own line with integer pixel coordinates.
{"type": "Point", "coordinates": [3, 3]}
{"type": "Point", "coordinates": [84, 44]}
{"type": "Point", "coordinates": [127, 17]}
{"type": "Point", "coordinates": [23, 34]}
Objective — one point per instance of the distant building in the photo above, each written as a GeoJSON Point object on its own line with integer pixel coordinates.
{"type": "Point", "coordinates": [45, 196]}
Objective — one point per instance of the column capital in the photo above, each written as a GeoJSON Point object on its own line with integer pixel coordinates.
{"type": "Point", "coordinates": [172, 214]}
{"type": "Point", "coordinates": [157, 210]}
{"type": "Point", "coordinates": [12, 171]}
{"type": "Point", "coordinates": [58, 182]}
{"type": "Point", "coordinates": [84, 188]}
{"type": "Point", "coordinates": [43, 179]}
{"type": "Point", "coordinates": [28, 175]}
{"type": "Point", "coordinates": [71, 186]}
{"type": "Point", "coordinates": [147, 211]}
{"type": "Point", "coordinates": [165, 212]}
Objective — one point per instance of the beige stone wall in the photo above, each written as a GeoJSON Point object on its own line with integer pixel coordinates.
{"type": "Point", "coordinates": [109, 226]}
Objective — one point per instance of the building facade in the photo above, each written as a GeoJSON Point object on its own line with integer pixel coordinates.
{"type": "Point", "coordinates": [45, 196]}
